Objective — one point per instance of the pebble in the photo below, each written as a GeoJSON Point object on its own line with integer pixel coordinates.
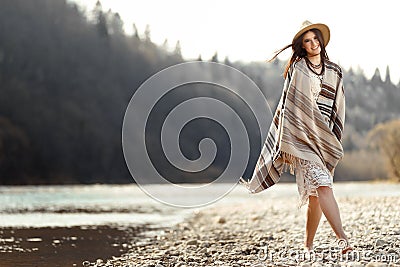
{"type": "Point", "coordinates": [270, 233]}
{"type": "Point", "coordinates": [380, 243]}
{"type": "Point", "coordinates": [221, 219]}
{"type": "Point", "coordinates": [191, 243]}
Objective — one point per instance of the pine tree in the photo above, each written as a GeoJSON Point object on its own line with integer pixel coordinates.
{"type": "Point", "coordinates": [178, 50]}
{"type": "Point", "coordinates": [147, 34]}
{"type": "Point", "coordinates": [115, 23]}
{"type": "Point", "coordinates": [376, 79]}
{"type": "Point", "coordinates": [135, 32]}
{"type": "Point", "coordinates": [100, 19]}
{"type": "Point", "coordinates": [227, 61]}
{"type": "Point", "coordinates": [215, 57]}
{"type": "Point", "coordinates": [387, 78]}
{"type": "Point", "coordinates": [165, 44]}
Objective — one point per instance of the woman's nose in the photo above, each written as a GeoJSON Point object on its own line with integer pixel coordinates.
{"type": "Point", "coordinates": [314, 42]}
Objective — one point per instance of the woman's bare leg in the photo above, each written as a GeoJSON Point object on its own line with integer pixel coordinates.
{"type": "Point", "coordinates": [314, 214]}
{"type": "Point", "coordinates": [330, 209]}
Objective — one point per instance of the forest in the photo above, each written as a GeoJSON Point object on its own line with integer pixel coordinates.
{"type": "Point", "coordinates": [66, 79]}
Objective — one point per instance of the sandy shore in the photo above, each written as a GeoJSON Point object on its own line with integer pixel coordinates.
{"type": "Point", "coordinates": [264, 232]}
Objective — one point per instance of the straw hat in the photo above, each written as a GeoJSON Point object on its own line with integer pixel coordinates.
{"type": "Point", "coordinates": [306, 26]}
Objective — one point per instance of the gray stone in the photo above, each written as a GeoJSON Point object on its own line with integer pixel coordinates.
{"type": "Point", "coordinates": [203, 250]}
{"type": "Point", "coordinates": [380, 243]}
{"type": "Point", "coordinates": [192, 242]}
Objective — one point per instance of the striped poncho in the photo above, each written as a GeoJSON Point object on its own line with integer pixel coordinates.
{"type": "Point", "coordinates": [302, 128]}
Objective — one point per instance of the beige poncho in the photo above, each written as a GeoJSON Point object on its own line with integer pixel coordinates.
{"type": "Point", "coordinates": [302, 128]}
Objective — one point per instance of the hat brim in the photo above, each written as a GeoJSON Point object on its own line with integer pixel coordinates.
{"type": "Point", "coordinates": [322, 27]}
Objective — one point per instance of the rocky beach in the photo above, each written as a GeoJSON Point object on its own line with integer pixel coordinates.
{"type": "Point", "coordinates": [268, 231]}
{"type": "Point", "coordinates": [122, 226]}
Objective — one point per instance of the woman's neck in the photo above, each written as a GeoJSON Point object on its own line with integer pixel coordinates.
{"type": "Point", "coordinates": [316, 59]}
{"type": "Point", "coordinates": [314, 63]}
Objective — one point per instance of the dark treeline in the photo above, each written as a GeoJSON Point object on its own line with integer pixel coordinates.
{"type": "Point", "coordinates": [66, 80]}
{"type": "Point", "coordinates": [64, 85]}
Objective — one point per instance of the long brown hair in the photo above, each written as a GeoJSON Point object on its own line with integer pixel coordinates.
{"type": "Point", "coordinates": [298, 52]}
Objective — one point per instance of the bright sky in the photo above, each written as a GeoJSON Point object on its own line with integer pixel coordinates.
{"type": "Point", "coordinates": [363, 33]}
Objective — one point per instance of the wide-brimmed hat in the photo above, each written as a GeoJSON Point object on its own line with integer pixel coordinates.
{"type": "Point", "coordinates": [306, 26]}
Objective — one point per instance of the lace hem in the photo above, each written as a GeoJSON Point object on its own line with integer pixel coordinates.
{"type": "Point", "coordinates": [310, 176]}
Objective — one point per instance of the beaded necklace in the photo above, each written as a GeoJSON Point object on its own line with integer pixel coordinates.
{"type": "Point", "coordinates": [314, 67]}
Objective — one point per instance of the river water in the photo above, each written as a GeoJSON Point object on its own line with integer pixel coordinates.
{"type": "Point", "coordinates": [66, 206]}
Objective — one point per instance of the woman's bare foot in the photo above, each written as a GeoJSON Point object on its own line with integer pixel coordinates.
{"type": "Point", "coordinates": [309, 253]}
{"type": "Point", "coordinates": [344, 246]}
{"type": "Point", "coordinates": [308, 249]}
{"type": "Point", "coordinates": [346, 250]}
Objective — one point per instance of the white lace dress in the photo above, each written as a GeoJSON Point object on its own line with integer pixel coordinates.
{"type": "Point", "coordinates": [309, 175]}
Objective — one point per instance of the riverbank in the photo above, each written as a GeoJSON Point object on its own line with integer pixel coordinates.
{"type": "Point", "coordinates": [270, 233]}
{"type": "Point", "coordinates": [117, 225]}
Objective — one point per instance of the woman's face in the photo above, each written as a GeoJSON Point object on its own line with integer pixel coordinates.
{"type": "Point", "coordinates": [311, 44]}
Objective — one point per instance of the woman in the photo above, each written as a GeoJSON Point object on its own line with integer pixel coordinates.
{"type": "Point", "coordinates": [306, 131]}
